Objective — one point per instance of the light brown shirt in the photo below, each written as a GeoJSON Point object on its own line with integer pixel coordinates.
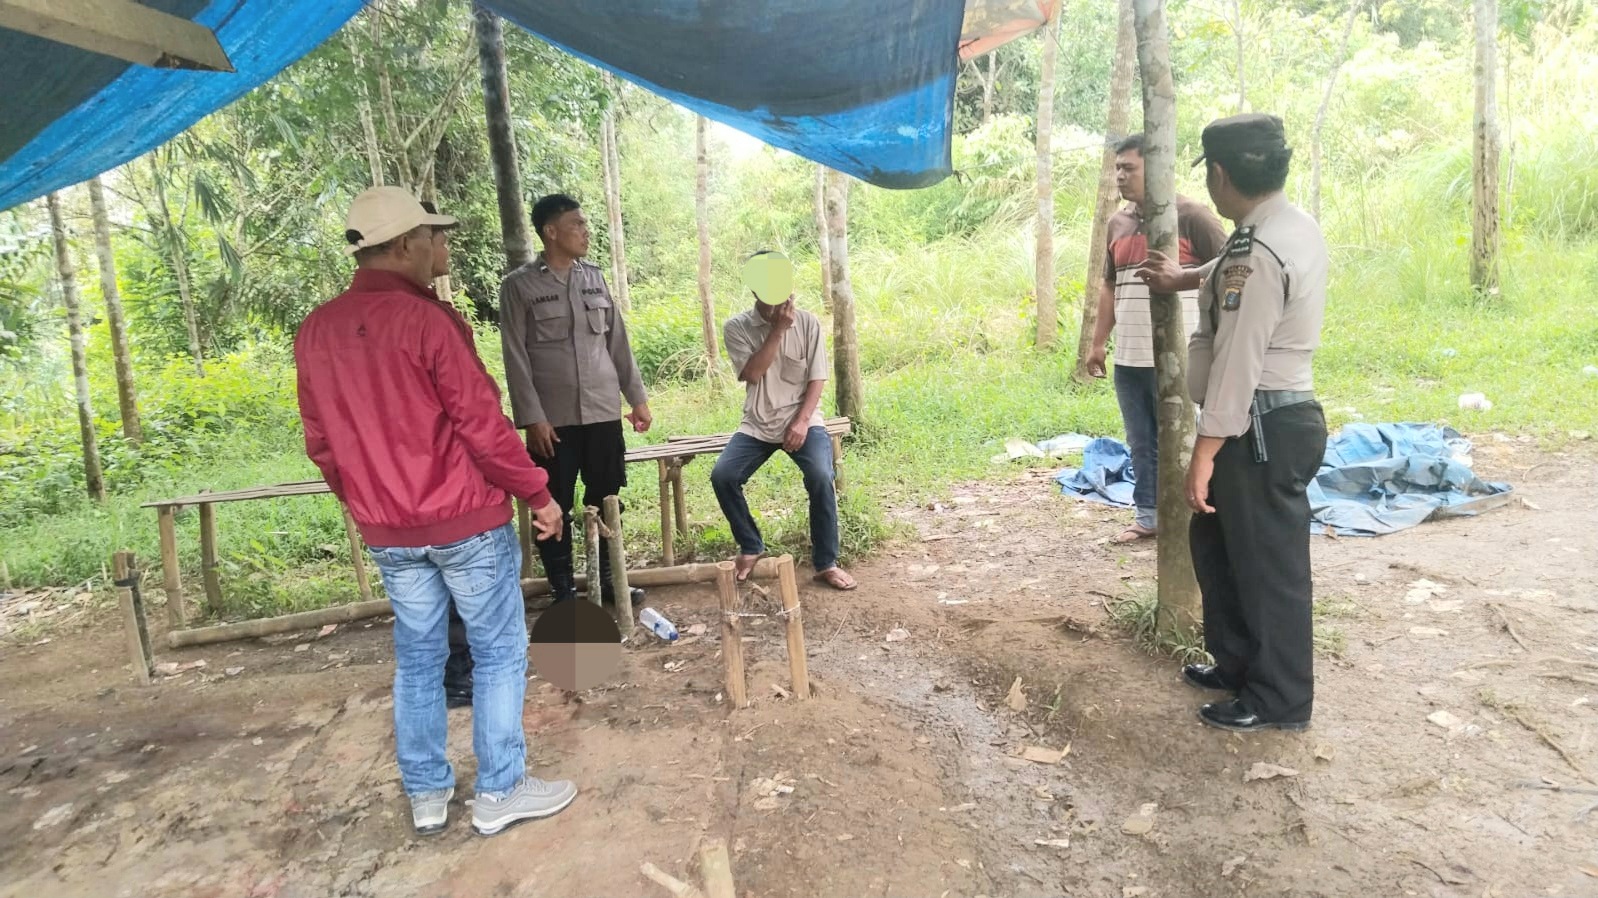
{"type": "Point", "coordinates": [771, 403]}
{"type": "Point", "coordinates": [1261, 308]}
{"type": "Point", "coordinates": [567, 359]}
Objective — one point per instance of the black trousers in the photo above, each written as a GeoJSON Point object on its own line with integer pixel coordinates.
{"type": "Point", "coordinates": [1253, 564]}
{"type": "Point", "coordinates": [458, 667]}
{"type": "Point", "coordinates": [597, 453]}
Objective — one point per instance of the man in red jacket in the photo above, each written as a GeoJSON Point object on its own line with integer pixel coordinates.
{"type": "Point", "coordinates": [406, 426]}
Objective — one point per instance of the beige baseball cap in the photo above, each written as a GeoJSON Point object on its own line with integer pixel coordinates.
{"type": "Point", "coordinates": [379, 214]}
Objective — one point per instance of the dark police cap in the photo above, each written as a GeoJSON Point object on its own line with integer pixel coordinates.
{"type": "Point", "coordinates": [1250, 137]}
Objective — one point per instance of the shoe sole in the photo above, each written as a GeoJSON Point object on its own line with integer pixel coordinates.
{"type": "Point", "coordinates": [523, 819]}
{"type": "Point", "coordinates": [1197, 685]}
{"type": "Point", "coordinates": [433, 829]}
{"type": "Point", "coordinates": [1289, 727]}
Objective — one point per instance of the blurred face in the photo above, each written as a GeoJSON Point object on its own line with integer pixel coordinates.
{"type": "Point", "coordinates": [1129, 175]}
{"type": "Point", "coordinates": [440, 252]}
{"type": "Point", "coordinates": [414, 255]}
{"type": "Point", "coordinates": [568, 233]}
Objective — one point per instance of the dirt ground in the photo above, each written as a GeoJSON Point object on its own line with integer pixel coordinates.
{"type": "Point", "coordinates": [279, 780]}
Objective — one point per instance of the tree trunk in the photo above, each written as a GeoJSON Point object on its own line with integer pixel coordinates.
{"type": "Point", "coordinates": [1484, 176]}
{"type": "Point", "coordinates": [1116, 127]}
{"type": "Point", "coordinates": [175, 241]}
{"type": "Point", "coordinates": [1043, 268]}
{"type": "Point", "coordinates": [1237, 29]}
{"type": "Point", "coordinates": [1320, 114]}
{"type": "Point", "coordinates": [1180, 608]}
{"type": "Point", "coordinates": [385, 89]}
{"type": "Point", "coordinates": [67, 271]}
{"type": "Point", "coordinates": [501, 139]}
{"type": "Point", "coordinates": [990, 80]}
{"type": "Point", "coordinates": [845, 341]}
{"type": "Point", "coordinates": [363, 108]}
{"type": "Point", "coordinates": [707, 301]}
{"type": "Point", "coordinates": [823, 244]}
{"type": "Point", "coordinates": [611, 164]}
{"type": "Point", "coordinates": [127, 396]}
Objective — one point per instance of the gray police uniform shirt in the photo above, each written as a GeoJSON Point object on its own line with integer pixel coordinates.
{"type": "Point", "coordinates": [567, 358]}
{"type": "Point", "coordinates": [1260, 311]}
{"type": "Point", "coordinates": [771, 403]}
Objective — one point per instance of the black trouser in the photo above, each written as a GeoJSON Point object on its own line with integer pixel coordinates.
{"type": "Point", "coordinates": [458, 668]}
{"type": "Point", "coordinates": [1252, 561]}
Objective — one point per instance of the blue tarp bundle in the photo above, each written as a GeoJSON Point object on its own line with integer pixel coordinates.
{"type": "Point", "coordinates": [1376, 479]}
{"type": "Point", "coordinates": [866, 88]}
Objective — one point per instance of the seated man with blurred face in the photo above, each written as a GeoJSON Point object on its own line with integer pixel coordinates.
{"type": "Point", "coordinates": [781, 356]}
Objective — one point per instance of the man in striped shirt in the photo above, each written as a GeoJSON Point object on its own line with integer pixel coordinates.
{"type": "Point", "coordinates": [1124, 308]}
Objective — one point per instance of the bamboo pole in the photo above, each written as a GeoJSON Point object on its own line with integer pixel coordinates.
{"type": "Point", "coordinates": [524, 535]}
{"type": "Point", "coordinates": [732, 632]}
{"type": "Point", "coordinates": [138, 634]}
{"type": "Point", "coordinates": [668, 548]}
{"type": "Point", "coordinates": [591, 548]}
{"type": "Point", "coordinates": [171, 572]}
{"type": "Point", "coordinates": [618, 565]}
{"type": "Point", "coordinates": [837, 462]}
{"type": "Point", "coordinates": [678, 500]}
{"type": "Point", "coordinates": [715, 866]}
{"type": "Point", "coordinates": [363, 583]}
{"type": "Point", "coordinates": [798, 663]}
{"type": "Point", "coordinates": [672, 884]}
{"type": "Point", "coordinates": [208, 561]}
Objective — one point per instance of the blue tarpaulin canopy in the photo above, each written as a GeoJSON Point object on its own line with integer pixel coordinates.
{"type": "Point", "coordinates": [866, 88]}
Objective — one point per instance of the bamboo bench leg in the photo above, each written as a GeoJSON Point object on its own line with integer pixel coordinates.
{"type": "Point", "coordinates": [171, 572]}
{"type": "Point", "coordinates": [138, 632]}
{"type": "Point", "coordinates": [209, 571]}
{"type": "Point", "coordinates": [618, 565]}
{"type": "Point", "coordinates": [678, 500]}
{"type": "Point", "coordinates": [358, 556]}
{"type": "Point", "coordinates": [668, 548]}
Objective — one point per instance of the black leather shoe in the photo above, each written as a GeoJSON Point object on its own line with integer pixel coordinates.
{"type": "Point", "coordinates": [1235, 716]}
{"type": "Point", "coordinates": [1207, 676]}
{"type": "Point", "coordinates": [457, 698]}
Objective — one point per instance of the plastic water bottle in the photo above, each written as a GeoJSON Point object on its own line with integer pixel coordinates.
{"type": "Point", "coordinates": [657, 624]}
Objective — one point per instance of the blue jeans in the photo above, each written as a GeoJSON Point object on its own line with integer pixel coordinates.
{"type": "Point", "coordinates": [1137, 390]}
{"type": "Point", "coordinates": [482, 574]}
{"type": "Point", "coordinates": [743, 457]}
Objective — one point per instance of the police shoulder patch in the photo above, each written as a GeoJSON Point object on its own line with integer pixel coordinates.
{"type": "Point", "coordinates": [1233, 277]}
{"type": "Point", "coordinates": [1241, 244]}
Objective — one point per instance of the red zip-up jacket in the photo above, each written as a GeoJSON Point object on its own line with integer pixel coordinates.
{"type": "Point", "coordinates": [403, 419]}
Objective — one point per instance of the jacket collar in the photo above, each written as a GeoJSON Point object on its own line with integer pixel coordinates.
{"type": "Point", "coordinates": [374, 280]}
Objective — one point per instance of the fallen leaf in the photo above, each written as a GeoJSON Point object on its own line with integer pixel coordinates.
{"type": "Point", "coordinates": [1590, 871]}
{"type": "Point", "coordinates": [964, 864]}
{"type": "Point", "coordinates": [44, 641]}
{"type": "Point", "coordinates": [779, 691]}
{"type": "Point", "coordinates": [1052, 843]}
{"type": "Point", "coordinates": [303, 647]}
{"type": "Point", "coordinates": [1043, 793]}
{"type": "Point", "coordinates": [845, 837]}
{"type": "Point", "coordinates": [1038, 755]}
{"type": "Point", "coordinates": [1142, 822]}
{"type": "Point", "coordinates": [326, 631]}
{"type": "Point", "coordinates": [1230, 867]}
{"type": "Point", "coordinates": [1017, 697]}
{"type": "Point", "coordinates": [1324, 752]}
{"type": "Point", "coordinates": [898, 634]}
{"type": "Point", "coordinates": [1426, 632]}
{"type": "Point", "coordinates": [697, 630]}
{"type": "Point", "coordinates": [1444, 719]}
{"type": "Point", "coordinates": [233, 671]}
{"type": "Point", "coordinates": [1264, 771]}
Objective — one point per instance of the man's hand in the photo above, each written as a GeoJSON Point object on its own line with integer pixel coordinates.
{"type": "Point", "coordinates": [1198, 483]}
{"type": "Point", "coordinates": [547, 522]}
{"type": "Point", "coordinates": [794, 439]}
{"type": "Point", "coordinates": [1163, 274]}
{"type": "Point", "coordinates": [640, 418]}
{"type": "Point", "coordinates": [541, 440]}
{"type": "Point", "coordinates": [783, 316]}
{"type": "Point", "coordinates": [1096, 360]}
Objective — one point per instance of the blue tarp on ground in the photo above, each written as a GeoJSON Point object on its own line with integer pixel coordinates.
{"type": "Point", "coordinates": [1376, 479]}
{"type": "Point", "coordinates": [866, 88]}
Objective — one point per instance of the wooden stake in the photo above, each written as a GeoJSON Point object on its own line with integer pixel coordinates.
{"type": "Point", "coordinates": [138, 633]}
{"type": "Point", "coordinates": [591, 547]}
{"type": "Point", "coordinates": [524, 534]}
{"type": "Point", "coordinates": [732, 632]}
{"type": "Point", "coordinates": [716, 867]}
{"type": "Point", "coordinates": [618, 565]}
{"type": "Point", "coordinates": [358, 555]}
{"type": "Point", "coordinates": [798, 664]}
{"type": "Point", "coordinates": [668, 549]}
{"type": "Point", "coordinates": [208, 562]}
{"type": "Point", "coordinates": [171, 573]}
{"type": "Point", "coordinates": [672, 884]}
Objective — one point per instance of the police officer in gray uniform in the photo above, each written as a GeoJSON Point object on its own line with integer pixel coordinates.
{"type": "Point", "coordinates": [1261, 434]}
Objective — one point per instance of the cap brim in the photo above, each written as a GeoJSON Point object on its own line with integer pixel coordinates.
{"type": "Point", "coordinates": [1198, 160]}
{"type": "Point", "coordinates": [441, 221]}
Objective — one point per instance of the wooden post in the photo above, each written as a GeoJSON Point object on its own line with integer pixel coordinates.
{"type": "Point", "coordinates": [837, 462]}
{"type": "Point", "coordinates": [716, 867]}
{"type": "Point", "coordinates": [668, 548]}
{"type": "Point", "coordinates": [208, 562]}
{"type": "Point", "coordinates": [171, 573]}
{"type": "Point", "coordinates": [732, 634]}
{"type": "Point", "coordinates": [618, 565]}
{"type": "Point", "coordinates": [591, 548]}
{"type": "Point", "coordinates": [358, 557]}
{"type": "Point", "coordinates": [678, 500]}
{"type": "Point", "coordinates": [5, 577]}
{"type": "Point", "coordinates": [524, 534]}
{"type": "Point", "coordinates": [798, 664]}
{"type": "Point", "coordinates": [133, 624]}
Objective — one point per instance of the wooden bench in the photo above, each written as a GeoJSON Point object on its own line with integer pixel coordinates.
{"type": "Point", "coordinates": [669, 457]}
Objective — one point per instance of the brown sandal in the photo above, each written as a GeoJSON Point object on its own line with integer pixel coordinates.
{"type": "Point", "coordinates": [1134, 533]}
{"type": "Point", "coordinates": [831, 577]}
{"type": "Point", "coordinates": [744, 565]}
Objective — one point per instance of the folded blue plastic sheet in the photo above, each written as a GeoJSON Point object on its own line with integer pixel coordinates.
{"type": "Point", "coordinates": [1375, 479]}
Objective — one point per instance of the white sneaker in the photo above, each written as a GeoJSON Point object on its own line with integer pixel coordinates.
{"type": "Point", "coordinates": [430, 810]}
{"type": "Point", "coordinates": [530, 800]}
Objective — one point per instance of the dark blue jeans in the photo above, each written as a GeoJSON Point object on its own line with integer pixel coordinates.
{"type": "Point", "coordinates": [743, 457]}
{"type": "Point", "coordinates": [1137, 389]}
